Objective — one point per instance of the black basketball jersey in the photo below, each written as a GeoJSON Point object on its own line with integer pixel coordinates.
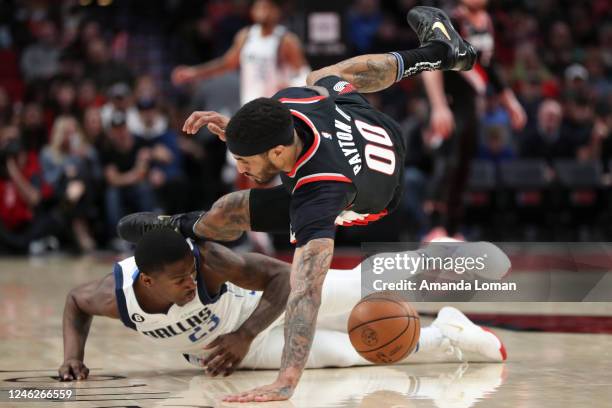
{"type": "Point", "coordinates": [353, 143]}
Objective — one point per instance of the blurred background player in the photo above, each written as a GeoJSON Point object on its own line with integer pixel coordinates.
{"type": "Point", "coordinates": [455, 120]}
{"type": "Point", "coordinates": [270, 58]}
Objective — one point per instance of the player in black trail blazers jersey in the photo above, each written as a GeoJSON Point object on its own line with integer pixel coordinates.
{"type": "Point", "coordinates": [340, 161]}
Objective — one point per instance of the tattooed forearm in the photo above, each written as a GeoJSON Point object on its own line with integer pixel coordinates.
{"type": "Point", "coordinates": [228, 218]}
{"type": "Point", "coordinates": [308, 272]}
{"type": "Point", "coordinates": [368, 73]}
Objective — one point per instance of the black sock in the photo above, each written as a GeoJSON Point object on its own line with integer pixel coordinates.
{"type": "Point", "coordinates": [427, 58]}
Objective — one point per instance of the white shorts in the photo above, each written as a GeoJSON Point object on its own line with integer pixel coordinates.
{"type": "Point", "coordinates": [331, 346]}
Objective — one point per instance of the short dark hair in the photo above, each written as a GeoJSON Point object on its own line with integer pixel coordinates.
{"type": "Point", "coordinates": [158, 248]}
{"type": "Point", "coordinates": [259, 126]}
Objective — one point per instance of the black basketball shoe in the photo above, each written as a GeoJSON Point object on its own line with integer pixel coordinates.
{"type": "Point", "coordinates": [432, 24]}
{"type": "Point", "coordinates": [132, 227]}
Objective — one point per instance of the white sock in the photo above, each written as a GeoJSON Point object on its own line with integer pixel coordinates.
{"type": "Point", "coordinates": [431, 338]}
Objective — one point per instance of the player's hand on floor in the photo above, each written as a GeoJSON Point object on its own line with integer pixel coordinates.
{"type": "Point", "coordinates": [227, 353]}
{"type": "Point", "coordinates": [73, 369]}
{"type": "Point", "coordinates": [215, 121]}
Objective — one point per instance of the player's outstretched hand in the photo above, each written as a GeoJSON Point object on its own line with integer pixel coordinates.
{"type": "Point", "coordinates": [214, 120]}
{"type": "Point", "coordinates": [228, 351]}
{"type": "Point", "coordinates": [183, 75]}
{"type": "Point", "coordinates": [73, 369]}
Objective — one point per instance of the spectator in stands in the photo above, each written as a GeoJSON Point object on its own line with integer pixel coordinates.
{"type": "Point", "coordinates": [120, 99]}
{"type": "Point", "coordinates": [578, 119]}
{"type": "Point", "coordinates": [24, 223]}
{"type": "Point", "coordinates": [104, 70]}
{"type": "Point", "coordinates": [529, 75]}
{"type": "Point", "coordinates": [6, 108]}
{"type": "Point", "coordinates": [559, 52]}
{"type": "Point", "coordinates": [126, 162]}
{"type": "Point", "coordinates": [93, 129]}
{"type": "Point", "coordinates": [576, 80]}
{"type": "Point", "coordinates": [88, 31]}
{"type": "Point", "coordinates": [547, 140]}
{"type": "Point", "coordinates": [166, 174]}
{"type": "Point", "coordinates": [605, 44]}
{"type": "Point", "coordinates": [364, 20]}
{"type": "Point", "coordinates": [419, 166]}
{"type": "Point", "coordinates": [33, 130]}
{"type": "Point", "coordinates": [145, 88]}
{"type": "Point", "coordinates": [602, 138]}
{"type": "Point", "coordinates": [40, 60]}
{"type": "Point", "coordinates": [87, 95]}
{"type": "Point", "coordinates": [495, 145]}
{"type": "Point", "coordinates": [599, 80]}
{"type": "Point", "coordinates": [63, 99]}
{"type": "Point", "coordinates": [70, 165]}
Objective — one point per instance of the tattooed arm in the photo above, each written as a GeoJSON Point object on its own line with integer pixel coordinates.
{"type": "Point", "coordinates": [310, 265]}
{"type": "Point", "coordinates": [308, 272]}
{"type": "Point", "coordinates": [368, 73]}
{"type": "Point", "coordinates": [228, 218]}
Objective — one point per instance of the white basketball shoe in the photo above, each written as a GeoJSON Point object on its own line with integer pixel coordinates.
{"type": "Point", "coordinates": [462, 336]}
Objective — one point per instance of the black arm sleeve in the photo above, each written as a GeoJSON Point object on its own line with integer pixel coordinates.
{"type": "Point", "coordinates": [269, 209]}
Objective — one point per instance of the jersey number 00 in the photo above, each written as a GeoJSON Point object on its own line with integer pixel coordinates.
{"type": "Point", "coordinates": [379, 155]}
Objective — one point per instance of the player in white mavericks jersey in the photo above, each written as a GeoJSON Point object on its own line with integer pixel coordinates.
{"type": "Point", "coordinates": [269, 56]}
{"type": "Point", "coordinates": [223, 310]}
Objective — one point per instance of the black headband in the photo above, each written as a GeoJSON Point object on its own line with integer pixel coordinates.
{"type": "Point", "coordinates": [251, 148]}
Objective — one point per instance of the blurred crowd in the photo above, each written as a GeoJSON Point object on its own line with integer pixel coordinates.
{"type": "Point", "coordinates": [90, 123]}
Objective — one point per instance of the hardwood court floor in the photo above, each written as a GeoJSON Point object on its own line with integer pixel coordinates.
{"type": "Point", "coordinates": [543, 369]}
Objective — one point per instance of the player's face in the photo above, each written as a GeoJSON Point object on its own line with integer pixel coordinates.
{"type": "Point", "coordinates": [265, 12]}
{"type": "Point", "coordinates": [177, 283]}
{"type": "Point", "coordinates": [258, 168]}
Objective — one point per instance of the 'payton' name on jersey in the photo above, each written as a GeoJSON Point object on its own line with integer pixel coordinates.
{"type": "Point", "coordinates": [344, 135]}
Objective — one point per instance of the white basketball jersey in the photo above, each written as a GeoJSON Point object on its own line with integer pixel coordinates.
{"type": "Point", "coordinates": [260, 71]}
{"type": "Point", "coordinates": [184, 328]}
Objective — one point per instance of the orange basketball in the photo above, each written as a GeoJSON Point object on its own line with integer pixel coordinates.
{"type": "Point", "coordinates": [384, 328]}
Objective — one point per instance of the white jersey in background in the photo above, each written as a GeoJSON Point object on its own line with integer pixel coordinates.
{"type": "Point", "coordinates": [185, 328]}
{"type": "Point", "coordinates": [261, 73]}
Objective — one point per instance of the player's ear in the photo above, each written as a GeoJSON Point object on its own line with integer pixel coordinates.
{"type": "Point", "coordinates": [146, 279]}
{"type": "Point", "coordinates": [276, 152]}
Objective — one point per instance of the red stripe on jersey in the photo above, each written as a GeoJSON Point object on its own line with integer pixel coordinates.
{"type": "Point", "coordinates": [321, 177]}
{"type": "Point", "coordinates": [368, 219]}
{"type": "Point", "coordinates": [312, 99]}
{"type": "Point", "coordinates": [313, 148]}
{"type": "Point", "coordinates": [481, 71]}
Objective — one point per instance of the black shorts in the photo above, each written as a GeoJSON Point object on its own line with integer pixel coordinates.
{"type": "Point", "coordinates": [269, 208]}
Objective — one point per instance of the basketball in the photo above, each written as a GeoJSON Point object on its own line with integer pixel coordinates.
{"type": "Point", "coordinates": [384, 328]}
